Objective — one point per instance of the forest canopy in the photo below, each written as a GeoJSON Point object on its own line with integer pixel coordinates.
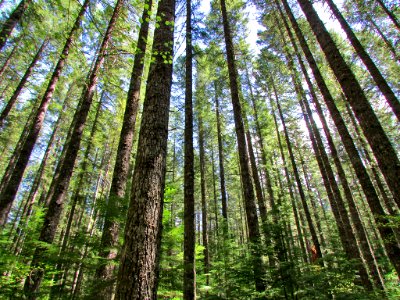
{"type": "Point", "coordinates": [222, 149]}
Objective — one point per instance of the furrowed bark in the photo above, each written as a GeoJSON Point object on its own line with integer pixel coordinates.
{"type": "Point", "coordinates": [138, 272]}
{"type": "Point", "coordinates": [111, 229]}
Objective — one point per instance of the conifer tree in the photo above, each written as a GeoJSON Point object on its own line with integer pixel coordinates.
{"type": "Point", "coordinates": [138, 272]}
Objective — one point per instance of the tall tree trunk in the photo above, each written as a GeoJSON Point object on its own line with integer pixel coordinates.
{"type": "Point", "coordinates": [76, 198]}
{"type": "Point", "coordinates": [189, 273]}
{"type": "Point", "coordinates": [204, 213]}
{"type": "Point", "coordinates": [291, 194]}
{"type": "Point", "coordinates": [390, 14]}
{"type": "Point", "coordinates": [138, 272]}
{"type": "Point", "coordinates": [388, 43]}
{"type": "Point", "coordinates": [10, 190]}
{"type": "Point", "coordinates": [297, 178]}
{"type": "Point", "coordinates": [372, 68]}
{"type": "Point", "coordinates": [14, 158]}
{"type": "Point", "coordinates": [312, 200]}
{"type": "Point", "coordinates": [111, 228]}
{"type": "Point", "coordinates": [383, 150]}
{"type": "Point", "coordinates": [391, 247]}
{"type": "Point", "coordinates": [346, 234]}
{"type": "Point", "coordinates": [221, 159]}
{"type": "Point", "coordinates": [37, 182]}
{"type": "Point", "coordinates": [248, 193]}
{"type": "Point", "coordinates": [275, 228]}
{"type": "Point", "coordinates": [12, 21]}
{"type": "Point", "coordinates": [215, 196]}
{"type": "Point", "coordinates": [56, 205]}
{"type": "Point", "coordinates": [101, 187]}
{"type": "Point", "coordinates": [11, 55]}
{"type": "Point", "coordinates": [21, 84]}
{"type": "Point", "coordinates": [350, 242]}
{"type": "Point", "coordinates": [389, 203]}
{"type": "Point", "coordinates": [257, 183]}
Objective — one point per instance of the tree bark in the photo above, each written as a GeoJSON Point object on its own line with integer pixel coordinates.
{"type": "Point", "coordinates": [189, 273]}
{"type": "Point", "coordinates": [138, 272]}
{"type": "Point", "coordinates": [221, 160]}
{"type": "Point", "coordinates": [111, 228]}
{"type": "Point", "coordinates": [383, 150]}
{"type": "Point", "coordinates": [248, 193]}
{"type": "Point", "coordinates": [204, 213]}
{"type": "Point", "coordinates": [389, 203]}
{"type": "Point", "coordinates": [367, 186]}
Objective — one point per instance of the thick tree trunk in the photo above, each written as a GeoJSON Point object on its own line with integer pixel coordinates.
{"type": "Point", "coordinates": [367, 186]}
{"type": "Point", "coordinates": [372, 68]}
{"type": "Point", "coordinates": [389, 203]}
{"type": "Point", "coordinates": [56, 205]}
{"type": "Point", "coordinates": [111, 228]}
{"type": "Point", "coordinates": [21, 84]}
{"type": "Point", "coordinates": [10, 190]}
{"type": "Point", "coordinates": [12, 21]}
{"type": "Point", "coordinates": [383, 150]}
{"type": "Point", "coordinates": [138, 272]}
{"type": "Point", "coordinates": [189, 273]}
{"type": "Point", "coordinates": [248, 193]}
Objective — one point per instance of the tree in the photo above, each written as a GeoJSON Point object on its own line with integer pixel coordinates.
{"type": "Point", "coordinates": [53, 215]}
{"type": "Point", "coordinates": [9, 191]}
{"type": "Point", "coordinates": [137, 278]}
{"type": "Point", "coordinates": [12, 21]}
{"type": "Point", "coordinates": [367, 186]}
{"type": "Point", "coordinates": [292, 202]}
{"type": "Point", "coordinates": [21, 84]}
{"type": "Point", "coordinates": [248, 193]}
{"type": "Point", "coordinates": [189, 277]}
{"type": "Point", "coordinates": [372, 68]}
{"type": "Point", "coordinates": [383, 150]}
{"type": "Point", "coordinates": [111, 230]}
